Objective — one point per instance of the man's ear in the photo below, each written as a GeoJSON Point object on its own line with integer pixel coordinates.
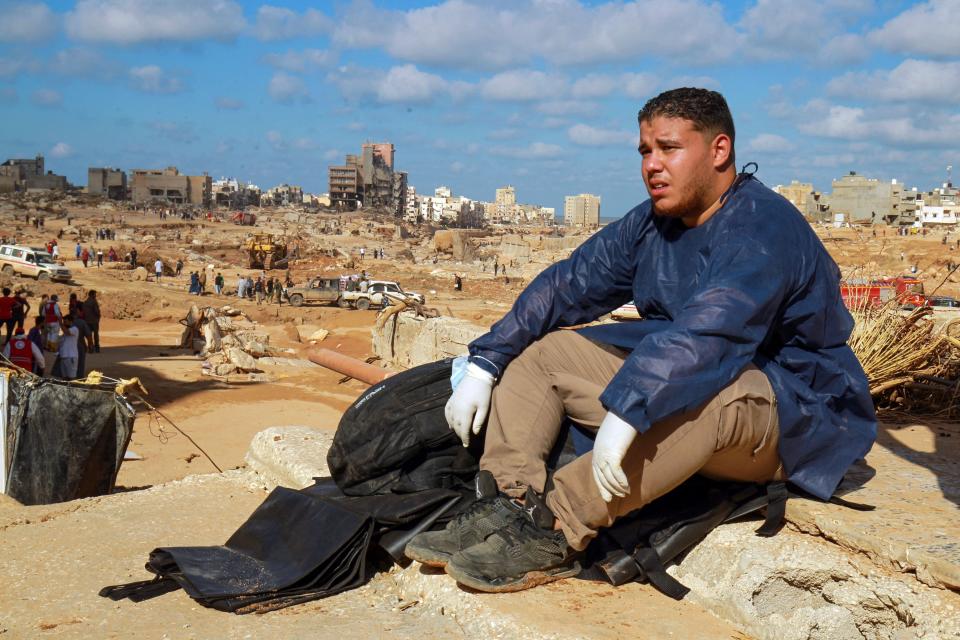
{"type": "Point", "coordinates": [722, 151]}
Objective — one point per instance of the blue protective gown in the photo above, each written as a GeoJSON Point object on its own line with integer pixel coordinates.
{"type": "Point", "coordinates": [752, 284]}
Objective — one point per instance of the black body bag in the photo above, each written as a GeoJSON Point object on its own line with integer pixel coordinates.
{"type": "Point", "coordinates": [639, 546]}
{"type": "Point", "coordinates": [394, 438]}
{"type": "Point", "coordinates": [296, 547]}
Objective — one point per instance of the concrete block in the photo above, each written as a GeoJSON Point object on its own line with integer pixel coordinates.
{"type": "Point", "coordinates": [407, 340]}
{"type": "Point", "coordinates": [290, 456]}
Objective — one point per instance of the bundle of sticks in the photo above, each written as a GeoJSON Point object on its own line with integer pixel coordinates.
{"type": "Point", "coordinates": [910, 362]}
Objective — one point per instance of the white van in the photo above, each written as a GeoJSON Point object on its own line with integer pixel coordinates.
{"type": "Point", "coordinates": [32, 262]}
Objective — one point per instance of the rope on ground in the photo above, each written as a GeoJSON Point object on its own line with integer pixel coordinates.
{"type": "Point", "coordinates": [181, 431]}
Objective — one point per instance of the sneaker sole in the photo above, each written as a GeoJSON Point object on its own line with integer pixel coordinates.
{"type": "Point", "coordinates": [509, 585]}
{"type": "Point", "coordinates": [427, 557]}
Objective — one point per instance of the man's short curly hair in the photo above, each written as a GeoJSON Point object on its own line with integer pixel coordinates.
{"type": "Point", "coordinates": [706, 109]}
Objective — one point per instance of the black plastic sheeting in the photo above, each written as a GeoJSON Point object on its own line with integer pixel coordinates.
{"type": "Point", "coordinates": [296, 547]}
{"type": "Point", "coordinates": [64, 441]}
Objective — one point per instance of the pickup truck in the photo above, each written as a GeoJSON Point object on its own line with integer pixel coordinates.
{"type": "Point", "coordinates": [378, 293]}
{"type": "Point", "coordinates": [32, 262]}
{"type": "Point", "coordinates": [322, 290]}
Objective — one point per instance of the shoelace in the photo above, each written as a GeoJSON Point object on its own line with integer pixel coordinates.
{"type": "Point", "coordinates": [513, 533]}
{"type": "Point", "coordinates": [471, 510]}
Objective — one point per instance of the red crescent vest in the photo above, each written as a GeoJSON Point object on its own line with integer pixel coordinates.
{"type": "Point", "coordinates": [48, 314]}
{"type": "Point", "coordinates": [21, 352]}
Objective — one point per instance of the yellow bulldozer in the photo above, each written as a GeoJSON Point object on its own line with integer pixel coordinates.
{"type": "Point", "coordinates": [264, 251]}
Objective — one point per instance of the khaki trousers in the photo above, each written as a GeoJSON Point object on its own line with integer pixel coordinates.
{"type": "Point", "coordinates": [733, 436]}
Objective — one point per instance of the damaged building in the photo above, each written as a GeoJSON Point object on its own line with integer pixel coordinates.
{"type": "Point", "coordinates": [106, 182]}
{"type": "Point", "coordinates": [369, 180]}
{"type": "Point", "coordinates": [29, 174]}
{"type": "Point", "coordinates": [170, 187]}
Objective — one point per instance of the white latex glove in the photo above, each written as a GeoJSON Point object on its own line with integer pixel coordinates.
{"type": "Point", "coordinates": [610, 446]}
{"type": "Point", "coordinates": [467, 408]}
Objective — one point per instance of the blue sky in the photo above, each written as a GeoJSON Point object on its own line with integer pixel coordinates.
{"type": "Point", "coordinates": [541, 94]}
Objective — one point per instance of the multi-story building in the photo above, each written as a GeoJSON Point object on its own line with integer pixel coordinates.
{"type": "Point", "coordinates": [369, 180]}
{"type": "Point", "coordinates": [24, 174]}
{"type": "Point", "coordinates": [582, 210]}
{"type": "Point", "coordinates": [234, 194]}
{"type": "Point", "coordinates": [864, 200]}
{"type": "Point", "coordinates": [282, 195]}
{"type": "Point", "coordinates": [106, 182]}
{"type": "Point", "coordinates": [346, 187]}
{"type": "Point", "coordinates": [412, 205]}
{"type": "Point", "coordinates": [170, 187]}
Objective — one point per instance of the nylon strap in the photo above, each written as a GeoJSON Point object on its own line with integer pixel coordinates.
{"type": "Point", "coordinates": [776, 509]}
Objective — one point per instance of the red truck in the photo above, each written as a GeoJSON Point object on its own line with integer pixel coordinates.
{"type": "Point", "coordinates": [907, 290]}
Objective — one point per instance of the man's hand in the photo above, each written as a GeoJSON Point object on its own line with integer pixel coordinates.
{"type": "Point", "coordinates": [467, 408]}
{"type": "Point", "coordinates": [611, 444]}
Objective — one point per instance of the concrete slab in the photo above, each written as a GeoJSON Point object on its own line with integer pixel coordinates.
{"type": "Point", "coordinates": [912, 478]}
{"type": "Point", "coordinates": [792, 586]}
{"type": "Point", "coordinates": [289, 456]}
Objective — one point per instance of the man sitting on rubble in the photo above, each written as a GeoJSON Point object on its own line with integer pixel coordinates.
{"type": "Point", "coordinates": [739, 371]}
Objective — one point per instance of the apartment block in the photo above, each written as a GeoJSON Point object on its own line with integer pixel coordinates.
{"type": "Point", "coordinates": [582, 210]}
{"type": "Point", "coordinates": [864, 200]}
{"type": "Point", "coordinates": [106, 182]}
{"type": "Point", "coordinates": [170, 187]}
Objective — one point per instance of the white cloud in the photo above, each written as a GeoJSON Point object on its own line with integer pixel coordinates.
{"type": "Point", "coordinates": [401, 84]}
{"type": "Point", "coordinates": [533, 151]}
{"type": "Point", "coordinates": [61, 150]}
{"type": "Point", "coordinates": [79, 62]}
{"type": "Point", "coordinates": [47, 98]}
{"type": "Point", "coordinates": [225, 103]}
{"type": "Point", "coordinates": [557, 31]}
{"type": "Point", "coordinates": [26, 21]}
{"type": "Point", "coordinates": [594, 85]}
{"type": "Point", "coordinates": [927, 29]}
{"type": "Point", "coordinates": [783, 29]}
{"type": "Point", "coordinates": [587, 136]}
{"type": "Point", "coordinates": [133, 21]}
{"type": "Point", "coordinates": [568, 108]}
{"type": "Point", "coordinates": [279, 23]}
{"type": "Point", "coordinates": [287, 89]}
{"type": "Point", "coordinates": [522, 85]}
{"type": "Point", "coordinates": [301, 61]}
{"type": "Point", "coordinates": [456, 167]}
{"type": "Point", "coordinates": [639, 85]}
{"type": "Point", "coordinates": [846, 48]}
{"type": "Point", "coordinates": [331, 155]}
{"type": "Point", "coordinates": [176, 131]}
{"type": "Point", "coordinates": [769, 143]}
{"type": "Point", "coordinates": [921, 81]}
{"type": "Point", "coordinates": [408, 84]}
{"type": "Point", "coordinates": [10, 67]}
{"type": "Point", "coordinates": [904, 127]}
{"type": "Point", "coordinates": [153, 79]}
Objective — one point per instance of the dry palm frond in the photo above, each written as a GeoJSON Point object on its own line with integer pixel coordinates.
{"type": "Point", "coordinates": [894, 349]}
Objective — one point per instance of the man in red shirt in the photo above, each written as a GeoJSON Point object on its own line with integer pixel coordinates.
{"type": "Point", "coordinates": [7, 303]}
{"type": "Point", "coordinates": [24, 353]}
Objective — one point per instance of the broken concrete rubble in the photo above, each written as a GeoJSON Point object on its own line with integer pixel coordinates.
{"type": "Point", "coordinates": [228, 340]}
{"type": "Point", "coordinates": [789, 587]}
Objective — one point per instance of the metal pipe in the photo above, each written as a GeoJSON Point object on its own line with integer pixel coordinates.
{"type": "Point", "coordinates": [346, 365]}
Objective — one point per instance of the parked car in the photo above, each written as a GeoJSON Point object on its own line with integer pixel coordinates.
{"type": "Point", "coordinates": [32, 262]}
{"type": "Point", "coordinates": [318, 290]}
{"type": "Point", "coordinates": [378, 293]}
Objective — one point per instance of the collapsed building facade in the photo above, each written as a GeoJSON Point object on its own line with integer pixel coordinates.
{"type": "Point", "coordinates": [106, 182]}
{"type": "Point", "coordinates": [27, 174]}
{"type": "Point", "coordinates": [169, 186]}
{"type": "Point", "coordinates": [369, 180]}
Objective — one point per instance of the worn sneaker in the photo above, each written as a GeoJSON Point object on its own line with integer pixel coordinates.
{"type": "Point", "coordinates": [525, 553]}
{"type": "Point", "coordinates": [491, 511]}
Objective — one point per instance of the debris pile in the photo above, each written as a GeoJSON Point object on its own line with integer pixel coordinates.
{"type": "Point", "coordinates": [227, 339]}
{"type": "Point", "coordinates": [910, 363]}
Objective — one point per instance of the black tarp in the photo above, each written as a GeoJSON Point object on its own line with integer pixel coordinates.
{"type": "Point", "coordinates": [64, 440]}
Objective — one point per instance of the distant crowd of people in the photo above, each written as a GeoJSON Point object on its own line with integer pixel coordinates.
{"type": "Point", "coordinates": [70, 335]}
